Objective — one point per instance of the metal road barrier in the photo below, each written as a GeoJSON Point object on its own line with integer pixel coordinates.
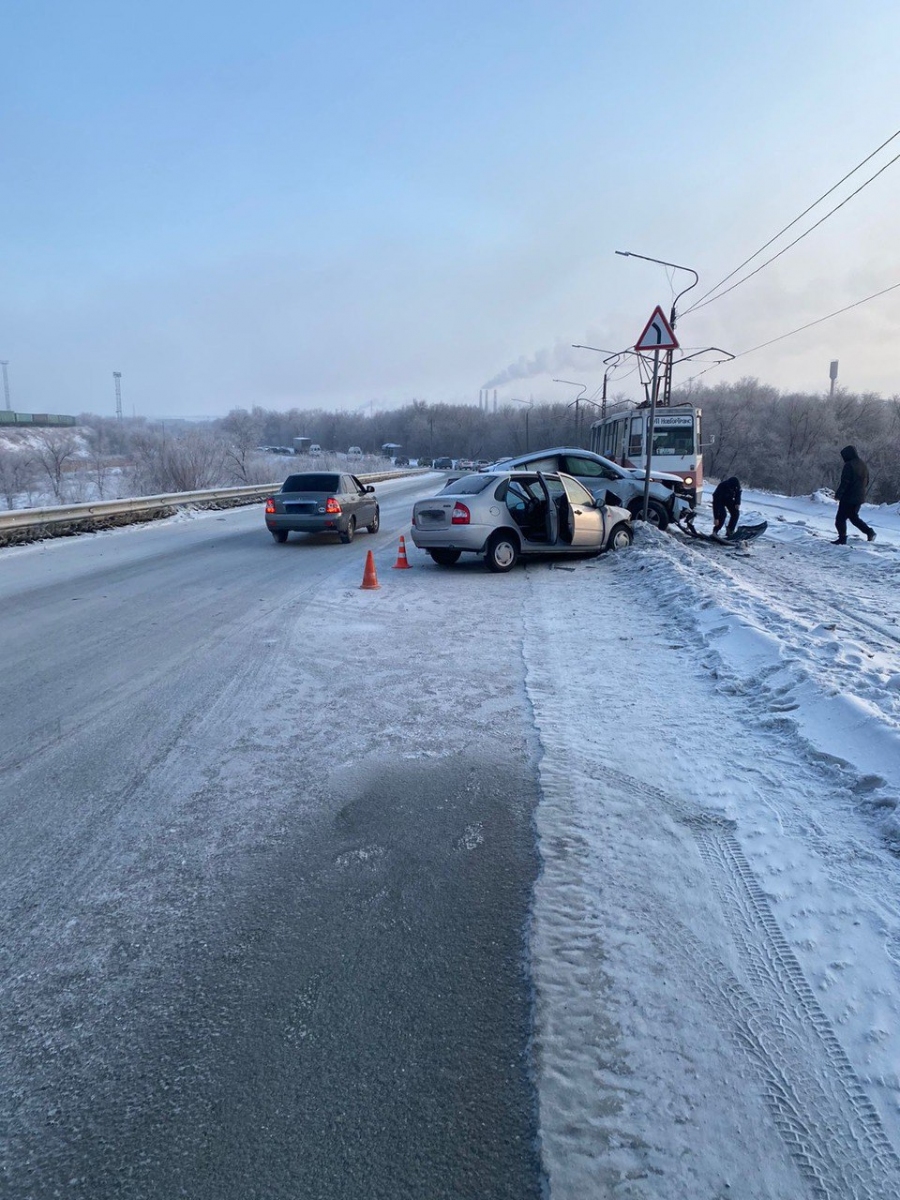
{"type": "Point", "coordinates": [33, 524]}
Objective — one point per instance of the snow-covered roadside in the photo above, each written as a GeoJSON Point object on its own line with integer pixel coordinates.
{"type": "Point", "coordinates": [716, 930]}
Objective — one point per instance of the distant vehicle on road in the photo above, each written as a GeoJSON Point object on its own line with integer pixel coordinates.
{"type": "Point", "coordinates": [315, 450]}
{"type": "Point", "coordinates": [509, 515]}
{"type": "Point", "coordinates": [354, 452]}
{"type": "Point", "coordinates": [609, 482]}
{"type": "Point", "coordinates": [322, 502]}
{"type": "Point", "coordinates": [443, 464]}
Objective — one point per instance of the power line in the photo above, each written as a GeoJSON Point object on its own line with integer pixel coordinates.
{"type": "Point", "coordinates": [801, 328]}
{"type": "Point", "coordinates": [703, 301]}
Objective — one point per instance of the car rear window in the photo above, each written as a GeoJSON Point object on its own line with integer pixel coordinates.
{"type": "Point", "coordinates": [469, 485]}
{"type": "Point", "coordinates": [313, 482]}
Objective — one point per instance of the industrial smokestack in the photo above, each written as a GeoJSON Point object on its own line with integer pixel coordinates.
{"type": "Point", "coordinates": [495, 399]}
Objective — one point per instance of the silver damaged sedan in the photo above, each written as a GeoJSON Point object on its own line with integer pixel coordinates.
{"type": "Point", "coordinates": [508, 515]}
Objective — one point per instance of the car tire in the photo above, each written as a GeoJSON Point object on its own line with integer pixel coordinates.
{"type": "Point", "coordinates": [375, 525]}
{"type": "Point", "coordinates": [620, 538]}
{"type": "Point", "coordinates": [656, 513]}
{"type": "Point", "coordinates": [502, 552]}
{"type": "Point", "coordinates": [280, 535]}
{"type": "Point", "coordinates": [445, 558]}
{"type": "Point", "coordinates": [347, 537]}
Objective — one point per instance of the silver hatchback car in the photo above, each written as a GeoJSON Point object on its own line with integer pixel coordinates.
{"type": "Point", "coordinates": [668, 500]}
{"type": "Point", "coordinates": [507, 515]}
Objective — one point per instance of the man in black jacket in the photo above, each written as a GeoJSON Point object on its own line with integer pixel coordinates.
{"type": "Point", "coordinates": [727, 500]}
{"type": "Point", "coordinates": [850, 494]}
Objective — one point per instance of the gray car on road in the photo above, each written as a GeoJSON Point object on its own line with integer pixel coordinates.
{"type": "Point", "coordinates": [508, 515]}
{"type": "Point", "coordinates": [322, 502]}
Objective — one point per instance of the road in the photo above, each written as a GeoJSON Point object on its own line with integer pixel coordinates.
{"type": "Point", "coordinates": [265, 874]}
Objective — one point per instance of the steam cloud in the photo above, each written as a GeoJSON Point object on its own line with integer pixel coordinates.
{"type": "Point", "coordinates": [545, 362]}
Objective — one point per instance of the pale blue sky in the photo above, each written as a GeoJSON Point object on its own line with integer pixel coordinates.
{"type": "Point", "coordinates": [287, 204]}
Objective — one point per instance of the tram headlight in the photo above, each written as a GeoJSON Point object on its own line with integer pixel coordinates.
{"type": "Point", "coordinates": [688, 479]}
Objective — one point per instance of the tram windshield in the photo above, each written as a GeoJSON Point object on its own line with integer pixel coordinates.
{"type": "Point", "coordinates": [674, 440]}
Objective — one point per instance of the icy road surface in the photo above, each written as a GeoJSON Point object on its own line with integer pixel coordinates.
{"type": "Point", "coordinates": [583, 878]}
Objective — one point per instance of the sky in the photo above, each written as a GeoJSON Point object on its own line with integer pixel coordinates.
{"type": "Point", "coordinates": [334, 205]}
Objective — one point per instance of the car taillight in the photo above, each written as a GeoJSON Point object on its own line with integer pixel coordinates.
{"type": "Point", "coordinates": [460, 515]}
{"type": "Point", "coordinates": [332, 506]}
{"type": "Point", "coordinates": [270, 505]}
{"type": "Point", "coordinates": [413, 521]}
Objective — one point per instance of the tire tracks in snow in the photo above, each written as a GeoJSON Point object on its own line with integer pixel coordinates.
{"type": "Point", "coordinates": [727, 957]}
{"type": "Point", "coordinates": [766, 1005]}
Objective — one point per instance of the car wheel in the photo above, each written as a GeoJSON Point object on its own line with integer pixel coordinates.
{"type": "Point", "coordinates": [620, 537]}
{"type": "Point", "coordinates": [445, 558]}
{"type": "Point", "coordinates": [656, 513]}
{"type": "Point", "coordinates": [280, 535]}
{"type": "Point", "coordinates": [347, 537]}
{"type": "Point", "coordinates": [502, 552]}
{"type": "Point", "coordinates": [373, 528]}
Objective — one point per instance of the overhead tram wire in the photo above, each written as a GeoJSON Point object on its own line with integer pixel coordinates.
{"type": "Point", "coordinates": [800, 329]}
{"type": "Point", "coordinates": [703, 301]}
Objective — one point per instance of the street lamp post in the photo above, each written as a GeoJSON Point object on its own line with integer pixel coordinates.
{"type": "Point", "coordinates": [673, 316]}
{"type": "Point", "coordinates": [530, 405]}
{"type": "Point", "coordinates": [583, 386]}
{"type": "Point", "coordinates": [613, 354]}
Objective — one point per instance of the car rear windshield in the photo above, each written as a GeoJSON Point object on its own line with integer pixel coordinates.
{"type": "Point", "coordinates": [469, 485]}
{"type": "Point", "coordinates": [313, 482]}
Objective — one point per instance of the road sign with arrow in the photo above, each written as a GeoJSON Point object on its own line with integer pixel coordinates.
{"type": "Point", "coordinates": [658, 334]}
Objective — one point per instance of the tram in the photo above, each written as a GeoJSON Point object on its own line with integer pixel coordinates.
{"type": "Point", "coordinates": [622, 436]}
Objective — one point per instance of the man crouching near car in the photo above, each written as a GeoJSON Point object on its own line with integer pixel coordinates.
{"type": "Point", "coordinates": [726, 502]}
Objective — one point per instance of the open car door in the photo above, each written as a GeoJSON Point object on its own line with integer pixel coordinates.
{"type": "Point", "coordinates": [581, 515]}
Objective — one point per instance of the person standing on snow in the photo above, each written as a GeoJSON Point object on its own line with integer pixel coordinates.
{"type": "Point", "coordinates": [726, 501]}
{"type": "Point", "coordinates": [850, 494]}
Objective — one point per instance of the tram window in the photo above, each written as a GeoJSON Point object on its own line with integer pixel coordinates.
{"type": "Point", "coordinates": [636, 440]}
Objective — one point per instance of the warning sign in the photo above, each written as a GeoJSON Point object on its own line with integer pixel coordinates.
{"type": "Point", "coordinates": [658, 334]}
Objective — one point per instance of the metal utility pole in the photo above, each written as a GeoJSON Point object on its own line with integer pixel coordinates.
{"type": "Point", "coordinates": [832, 375]}
{"type": "Point", "coordinates": [117, 376]}
{"type": "Point", "coordinates": [4, 363]}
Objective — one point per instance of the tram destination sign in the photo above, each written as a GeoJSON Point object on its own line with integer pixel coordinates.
{"type": "Point", "coordinates": [664, 418]}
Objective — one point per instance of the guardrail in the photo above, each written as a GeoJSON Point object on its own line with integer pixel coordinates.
{"type": "Point", "coordinates": [32, 524]}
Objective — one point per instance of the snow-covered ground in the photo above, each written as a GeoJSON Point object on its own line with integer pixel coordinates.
{"type": "Point", "coordinates": [715, 938]}
{"type": "Point", "coordinates": [717, 928]}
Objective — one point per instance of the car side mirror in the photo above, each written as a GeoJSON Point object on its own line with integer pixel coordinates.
{"type": "Point", "coordinates": [369, 487]}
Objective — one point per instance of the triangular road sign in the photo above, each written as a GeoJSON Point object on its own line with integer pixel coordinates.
{"type": "Point", "coordinates": [658, 334]}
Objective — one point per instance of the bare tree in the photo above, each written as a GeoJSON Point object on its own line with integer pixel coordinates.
{"type": "Point", "coordinates": [244, 462]}
{"type": "Point", "coordinates": [186, 461]}
{"type": "Point", "coordinates": [54, 450]}
{"type": "Point", "coordinates": [17, 474]}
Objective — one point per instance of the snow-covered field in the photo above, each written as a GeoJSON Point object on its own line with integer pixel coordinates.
{"type": "Point", "coordinates": [717, 928]}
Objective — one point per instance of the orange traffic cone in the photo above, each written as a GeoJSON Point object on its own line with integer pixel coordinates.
{"type": "Point", "coordinates": [402, 563]}
{"type": "Point", "coordinates": [370, 579]}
